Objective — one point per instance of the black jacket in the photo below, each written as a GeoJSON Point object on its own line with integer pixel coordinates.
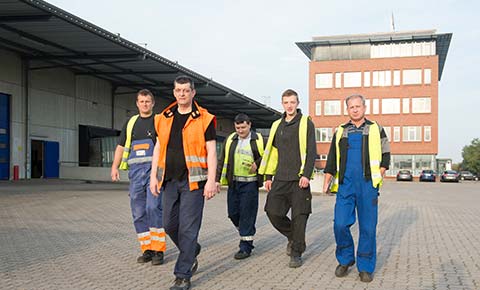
{"type": "Point", "coordinates": [286, 141]}
{"type": "Point", "coordinates": [231, 158]}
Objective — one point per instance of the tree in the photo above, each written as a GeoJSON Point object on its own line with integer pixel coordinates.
{"type": "Point", "coordinates": [471, 156]}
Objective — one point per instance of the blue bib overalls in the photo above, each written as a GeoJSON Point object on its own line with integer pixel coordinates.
{"type": "Point", "coordinates": [356, 193]}
{"type": "Point", "coordinates": [146, 208]}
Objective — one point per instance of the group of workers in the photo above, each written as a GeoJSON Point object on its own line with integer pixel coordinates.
{"type": "Point", "coordinates": [172, 166]}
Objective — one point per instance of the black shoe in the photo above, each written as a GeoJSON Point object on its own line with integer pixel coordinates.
{"type": "Point", "coordinates": [295, 262]}
{"type": "Point", "coordinates": [289, 248]}
{"type": "Point", "coordinates": [145, 257]}
{"type": "Point", "coordinates": [157, 259]}
{"type": "Point", "coordinates": [240, 255]}
{"type": "Point", "coordinates": [341, 270]}
{"type": "Point", "coordinates": [366, 277]}
{"type": "Point", "coordinates": [195, 262]}
{"type": "Point", "coordinates": [181, 284]}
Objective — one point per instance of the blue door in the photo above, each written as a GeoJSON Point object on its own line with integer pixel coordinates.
{"type": "Point", "coordinates": [51, 157]}
{"type": "Point", "coordinates": [4, 137]}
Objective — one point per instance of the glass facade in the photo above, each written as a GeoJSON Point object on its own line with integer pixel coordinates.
{"type": "Point", "coordinates": [414, 163]}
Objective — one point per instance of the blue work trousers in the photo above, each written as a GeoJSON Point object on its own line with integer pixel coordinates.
{"type": "Point", "coordinates": [183, 211]}
{"type": "Point", "coordinates": [356, 194]}
{"type": "Point", "coordinates": [242, 203]}
{"type": "Point", "coordinates": [146, 208]}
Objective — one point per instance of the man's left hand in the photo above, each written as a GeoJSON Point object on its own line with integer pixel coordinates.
{"type": "Point", "coordinates": [303, 182]}
{"type": "Point", "coordinates": [210, 189]}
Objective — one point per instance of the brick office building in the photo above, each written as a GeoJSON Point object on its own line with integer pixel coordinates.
{"type": "Point", "coordinates": [398, 74]}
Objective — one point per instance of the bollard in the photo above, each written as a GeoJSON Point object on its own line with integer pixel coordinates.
{"type": "Point", "coordinates": [15, 172]}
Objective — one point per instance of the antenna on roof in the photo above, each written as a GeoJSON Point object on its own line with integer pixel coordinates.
{"type": "Point", "coordinates": [393, 23]}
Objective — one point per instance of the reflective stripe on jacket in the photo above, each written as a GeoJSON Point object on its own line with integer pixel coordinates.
{"type": "Point", "coordinates": [228, 144]}
{"type": "Point", "coordinates": [269, 163]}
{"type": "Point", "coordinates": [374, 151]}
{"type": "Point", "coordinates": [128, 142]}
{"type": "Point", "coordinates": [194, 145]}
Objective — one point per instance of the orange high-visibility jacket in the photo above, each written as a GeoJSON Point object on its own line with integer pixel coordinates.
{"type": "Point", "coordinates": [194, 145]}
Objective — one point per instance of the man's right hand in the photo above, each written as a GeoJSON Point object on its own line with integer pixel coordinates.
{"type": "Point", "coordinates": [268, 185]}
{"type": "Point", "coordinates": [115, 174]}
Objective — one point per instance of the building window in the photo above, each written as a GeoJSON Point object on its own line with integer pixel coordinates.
{"type": "Point", "coordinates": [332, 108]}
{"type": "Point", "coordinates": [390, 106]}
{"type": "Point", "coordinates": [323, 135]}
{"type": "Point", "coordinates": [367, 104]}
{"type": "Point", "coordinates": [396, 134]}
{"type": "Point", "coordinates": [427, 76]}
{"type": "Point", "coordinates": [412, 76]}
{"type": "Point", "coordinates": [338, 80]}
{"type": "Point", "coordinates": [396, 77]}
{"type": "Point", "coordinates": [421, 105]}
{"type": "Point", "coordinates": [323, 81]}
{"type": "Point", "coordinates": [406, 106]}
{"type": "Point", "coordinates": [427, 133]}
{"type": "Point", "coordinates": [412, 134]}
{"type": "Point", "coordinates": [376, 106]}
{"type": "Point", "coordinates": [323, 156]}
{"type": "Point", "coordinates": [352, 79]}
{"type": "Point", "coordinates": [388, 131]}
{"type": "Point", "coordinates": [318, 108]}
{"type": "Point", "coordinates": [382, 78]}
{"type": "Point", "coordinates": [366, 79]}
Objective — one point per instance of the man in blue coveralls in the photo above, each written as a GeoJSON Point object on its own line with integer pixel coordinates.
{"type": "Point", "coordinates": [358, 158]}
{"type": "Point", "coordinates": [134, 153]}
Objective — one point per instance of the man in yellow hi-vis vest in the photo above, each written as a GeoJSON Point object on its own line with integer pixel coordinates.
{"type": "Point", "coordinates": [134, 152]}
{"type": "Point", "coordinates": [240, 158]}
{"type": "Point", "coordinates": [358, 158]}
{"type": "Point", "coordinates": [288, 160]}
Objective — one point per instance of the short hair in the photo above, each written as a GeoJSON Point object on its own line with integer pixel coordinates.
{"type": "Point", "coordinates": [240, 118]}
{"type": "Point", "coordinates": [289, 93]}
{"type": "Point", "coordinates": [354, 97]}
{"type": "Point", "coordinates": [145, 92]}
{"type": "Point", "coordinates": [183, 79]}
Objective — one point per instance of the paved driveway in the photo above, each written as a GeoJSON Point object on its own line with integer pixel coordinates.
{"type": "Point", "coordinates": [74, 235]}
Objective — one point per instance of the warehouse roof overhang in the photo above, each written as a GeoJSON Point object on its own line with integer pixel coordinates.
{"type": "Point", "coordinates": [50, 37]}
{"type": "Point", "coordinates": [442, 42]}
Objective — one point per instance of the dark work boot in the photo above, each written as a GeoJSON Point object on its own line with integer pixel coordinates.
{"type": "Point", "coordinates": [157, 259]}
{"type": "Point", "coordinates": [295, 262]}
{"type": "Point", "coordinates": [366, 277]}
{"type": "Point", "coordinates": [341, 270]}
{"type": "Point", "coordinates": [145, 257]}
{"type": "Point", "coordinates": [181, 284]}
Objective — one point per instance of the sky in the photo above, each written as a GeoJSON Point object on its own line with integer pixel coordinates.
{"type": "Point", "coordinates": [249, 45]}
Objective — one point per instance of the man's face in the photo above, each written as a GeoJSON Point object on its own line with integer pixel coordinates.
{"type": "Point", "coordinates": [145, 104]}
{"type": "Point", "coordinates": [290, 104]}
{"type": "Point", "coordinates": [356, 109]}
{"type": "Point", "coordinates": [243, 129]}
{"type": "Point", "coordinates": [183, 93]}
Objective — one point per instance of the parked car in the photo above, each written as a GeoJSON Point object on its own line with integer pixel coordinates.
{"type": "Point", "coordinates": [467, 175]}
{"type": "Point", "coordinates": [450, 175]}
{"type": "Point", "coordinates": [404, 175]}
{"type": "Point", "coordinates": [427, 175]}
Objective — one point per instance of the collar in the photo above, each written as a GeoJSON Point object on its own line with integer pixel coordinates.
{"type": "Point", "coordinates": [365, 122]}
{"type": "Point", "coordinates": [172, 108]}
{"type": "Point", "coordinates": [295, 119]}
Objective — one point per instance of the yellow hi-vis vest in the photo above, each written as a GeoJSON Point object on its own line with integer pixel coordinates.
{"type": "Point", "coordinates": [223, 177]}
{"type": "Point", "coordinates": [374, 152]}
{"type": "Point", "coordinates": [128, 142]}
{"type": "Point", "coordinates": [269, 163]}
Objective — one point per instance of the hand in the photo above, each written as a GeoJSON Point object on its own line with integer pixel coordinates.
{"type": "Point", "coordinates": [218, 185]}
{"type": "Point", "coordinates": [154, 186]}
{"type": "Point", "coordinates": [303, 182]}
{"type": "Point", "coordinates": [268, 185]}
{"type": "Point", "coordinates": [382, 171]}
{"type": "Point", "coordinates": [210, 189]}
{"type": "Point", "coordinates": [115, 174]}
{"type": "Point", "coordinates": [253, 168]}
